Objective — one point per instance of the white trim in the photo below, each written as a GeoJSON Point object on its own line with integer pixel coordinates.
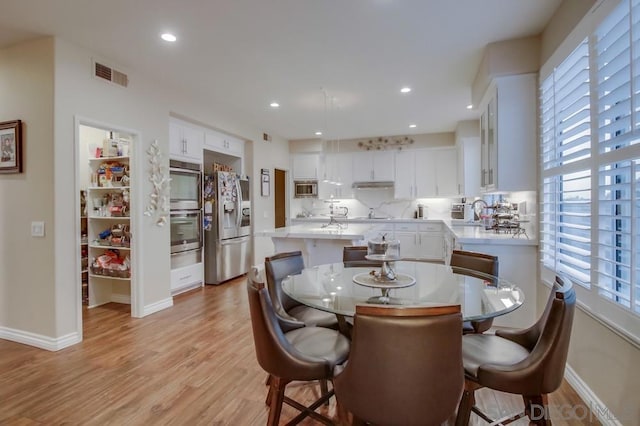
{"type": "Point", "coordinates": [136, 299]}
{"type": "Point", "coordinates": [157, 306]}
{"type": "Point", "coordinates": [38, 340]}
{"type": "Point", "coordinates": [596, 406]}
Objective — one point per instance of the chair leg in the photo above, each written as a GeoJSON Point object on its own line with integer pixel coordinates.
{"type": "Point", "coordinates": [324, 389]}
{"type": "Point", "coordinates": [276, 397]}
{"type": "Point", "coordinates": [267, 382]}
{"type": "Point", "coordinates": [467, 402]}
{"type": "Point", "coordinates": [464, 409]}
{"type": "Point", "coordinates": [536, 407]}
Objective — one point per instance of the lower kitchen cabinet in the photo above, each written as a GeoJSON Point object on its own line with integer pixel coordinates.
{"type": "Point", "coordinates": [422, 241]}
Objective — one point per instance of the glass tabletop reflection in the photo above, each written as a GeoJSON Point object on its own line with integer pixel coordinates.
{"type": "Point", "coordinates": [334, 288]}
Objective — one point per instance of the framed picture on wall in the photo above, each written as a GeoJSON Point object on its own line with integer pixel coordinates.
{"type": "Point", "coordinates": [11, 147]}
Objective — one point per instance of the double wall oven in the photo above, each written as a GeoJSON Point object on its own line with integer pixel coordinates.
{"type": "Point", "coordinates": [186, 213]}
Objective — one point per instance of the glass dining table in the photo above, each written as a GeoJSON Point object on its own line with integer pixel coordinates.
{"type": "Point", "coordinates": [335, 288]}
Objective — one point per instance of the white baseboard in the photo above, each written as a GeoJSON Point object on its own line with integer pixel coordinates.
{"type": "Point", "coordinates": [157, 306]}
{"type": "Point", "coordinates": [38, 340]}
{"type": "Point", "coordinates": [596, 407]}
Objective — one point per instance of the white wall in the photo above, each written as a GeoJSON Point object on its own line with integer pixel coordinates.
{"type": "Point", "coordinates": [44, 299]}
{"type": "Point", "coordinates": [27, 264]}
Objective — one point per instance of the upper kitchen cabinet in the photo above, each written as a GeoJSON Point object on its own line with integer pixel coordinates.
{"type": "Point", "coordinates": [306, 166]}
{"type": "Point", "coordinates": [185, 141]}
{"type": "Point", "coordinates": [225, 144]}
{"type": "Point", "coordinates": [373, 166]}
{"type": "Point", "coordinates": [467, 137]}
{"type": "Point", "coordinates": [426, 173]}
{"type": "Point", "coordinates": [508, 134]}
{"type": "Point", "coordinates": [336, 176]}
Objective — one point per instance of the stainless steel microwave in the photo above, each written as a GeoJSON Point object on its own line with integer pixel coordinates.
{"type": "Point", "coordinates": [305, 189]}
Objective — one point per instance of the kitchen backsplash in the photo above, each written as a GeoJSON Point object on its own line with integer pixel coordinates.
{"type": "Point", "coordinates": [384, 205]}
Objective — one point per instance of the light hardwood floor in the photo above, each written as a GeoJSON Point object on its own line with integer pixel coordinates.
{"type": "Point", "coordinates": [189, 365]}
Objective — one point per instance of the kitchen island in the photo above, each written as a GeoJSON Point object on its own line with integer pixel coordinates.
{"type": "Point", "coordinates": [318, 245]}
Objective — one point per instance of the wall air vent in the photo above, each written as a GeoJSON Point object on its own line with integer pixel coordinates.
{"type": "Point", "coordinates": [107, 73]}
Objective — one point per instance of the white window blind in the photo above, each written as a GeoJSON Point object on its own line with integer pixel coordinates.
{"type": "Point", "coordinates": [590, 183]}
{"type": "Point", "coordinates": [565, 118]}
{"type": "Point", "coordinates": [615, 226]}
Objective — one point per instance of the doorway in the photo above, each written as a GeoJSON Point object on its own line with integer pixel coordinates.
{"type": "Point", "coordinates": [107, 216]}
{"type": "Point", "coordinates": [280, 198]}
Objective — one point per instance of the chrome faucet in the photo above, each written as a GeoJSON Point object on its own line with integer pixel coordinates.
{"type": "Point", "coordinates": [371, 214]}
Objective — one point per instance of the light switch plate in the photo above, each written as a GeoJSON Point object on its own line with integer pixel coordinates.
{"type": "Point", "coordinates": [37, 229]}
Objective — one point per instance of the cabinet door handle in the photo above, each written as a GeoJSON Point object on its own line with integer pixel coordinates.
{"type": "Point", "coordinates": [459, 191]}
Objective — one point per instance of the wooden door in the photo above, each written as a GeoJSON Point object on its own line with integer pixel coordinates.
{"type": "Point", "coordinates": [280, 195]}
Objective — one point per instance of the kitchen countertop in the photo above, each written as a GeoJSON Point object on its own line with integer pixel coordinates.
{"type": "Point", "coordinates": [465, 233]}
{"type": "Point", "coordinates": [314, 230]}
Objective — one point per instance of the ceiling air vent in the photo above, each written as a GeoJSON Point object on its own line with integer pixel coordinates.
{"type": "Point", "coordinates": [107, 73]}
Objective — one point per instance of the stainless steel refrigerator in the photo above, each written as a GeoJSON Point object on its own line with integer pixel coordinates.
{"type": "Point", "coordinates": [227, 226]}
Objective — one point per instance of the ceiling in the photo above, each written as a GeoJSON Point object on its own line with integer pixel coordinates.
{"type": "Point", "coordinates": [332, 65]}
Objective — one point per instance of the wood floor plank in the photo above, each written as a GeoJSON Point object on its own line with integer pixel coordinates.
{"type": "Point", "coordinates": [193, 364]}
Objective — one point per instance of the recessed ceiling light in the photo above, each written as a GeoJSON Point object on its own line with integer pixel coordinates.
{"type": "Point", "coordinates": [405, 89]}
{"type": "Point", "coordinates": [168, 37]}
{"type": "Point", "coordinates": [274, 105]}
{"type": "Point", "coordinates": [318, 133]}
{"type": "Point", "coordinates": [412, 126]}
{"type": "Point", "coordinates": [470, 106]}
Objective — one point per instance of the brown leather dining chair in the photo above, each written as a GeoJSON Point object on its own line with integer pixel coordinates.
{"type": "Point", "coordinates": [480, 262]}
{"type": "Point", "coordinates": [527, 362]}
{"type": "Point", "coordinates": [405, 366]}
{"type": "Point", "coordinates": [301, 354]}
{"type": "Point", "coordinates": [354, 257]}
{"type": "Point", "coordinates": [277, 268]}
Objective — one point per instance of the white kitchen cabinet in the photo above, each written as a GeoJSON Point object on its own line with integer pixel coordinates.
{"type": "Point", "coordinates": [306, 166]}
{"type": "Point", "coordinates": [426, 173]}
{"type": "Point", "coordinates": [420, 241]}
{"type": "Point", "coordinates": [185, 141]}
{"type": "Point", "coordinates": [405, 175]}
{"type": "Point", "coordinates": [373, 166]}
{"type": "Point", "coordinates": [225, 144]}
{"type": "Point", "coordinates": [446, 169]}
{"type": "Point", "coordinates": [508, 134]}
{"type": "Point", "coordinates": [336, 176]}
{"type": "Point", "coordinates": [468, 166]}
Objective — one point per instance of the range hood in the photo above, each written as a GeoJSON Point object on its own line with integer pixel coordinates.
{"type": "Point", "coordinates": [373, 185]}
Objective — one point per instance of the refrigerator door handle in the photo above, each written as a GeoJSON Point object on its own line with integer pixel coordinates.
{"type": "Point", "coordinates": [239, 206]}
{"type": "Point", "coordinates": [232, 241]}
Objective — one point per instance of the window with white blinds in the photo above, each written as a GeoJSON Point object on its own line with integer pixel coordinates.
{"type": "Point", "coordinates": [566, 119]}
{"type": "Point", "coordinates": [590, 167]}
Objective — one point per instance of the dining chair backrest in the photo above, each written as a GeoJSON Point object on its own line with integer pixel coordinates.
{"type": "Point", "coordinates": [405, 365]}
{"type": "Point", "coordinates": [355, 256]}
{"type": "Point", "coordinates": [274, 352]}
{"type": "Point", "coordinates": [480, 262]}
{"type": "Point", "coordinates": [277, 268]}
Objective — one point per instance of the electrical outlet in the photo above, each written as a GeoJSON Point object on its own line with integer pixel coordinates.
{"type": "Point", "coordinates": [37, 229]}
